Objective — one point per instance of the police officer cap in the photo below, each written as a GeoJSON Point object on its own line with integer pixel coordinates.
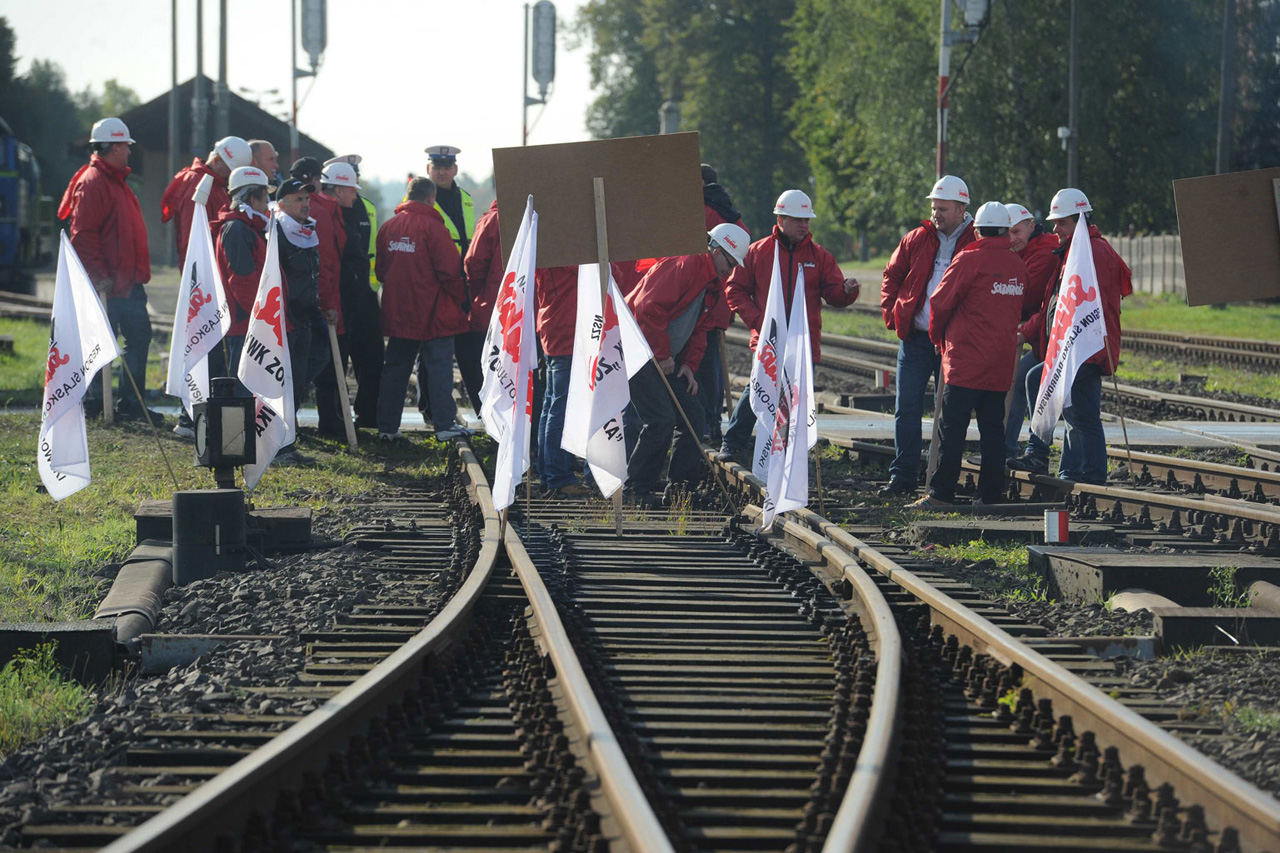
{"type": "Point", "coordinates": [291, 186]}
{"type": "Point", "coordinates": [445, 155]}
{"type": "Point", "coordinates": [305, 168]}
{"type": "Point", "coordinates": [352, 160]}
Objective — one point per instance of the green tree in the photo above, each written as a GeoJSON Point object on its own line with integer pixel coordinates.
{"type": "Point", "coordinates": [1256, 129]}
{"type": "Point", "coordinates": [114, 100]}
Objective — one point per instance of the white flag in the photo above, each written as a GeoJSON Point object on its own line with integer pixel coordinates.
{"type": "Point", "coordinates": [201, 319]}
{"type": "Point", "coordinates": [510, 355]}
{"type": "Point", "coordinates": [608, 349]}
{"type": "Point", "coordinates": [80, 344]}
{"type": "Point", "coordinates": [764, 386]}
{"type": "Point", "coordinates": [1079, 331]}
{"type": "Point", "coordinates": [795, 428]}
{"type": "Point", "coordinates": [264, 366]}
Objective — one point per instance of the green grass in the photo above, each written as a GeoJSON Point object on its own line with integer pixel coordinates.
{"type": "Point", "coordinates": [36, 697]}
{"type": "Point", "coordinates": [859, 324]}
{"type": "Point", "coordinates": [1010, 558]}
{"type": "Point", "coordinates": [1253, 720]}
{"type": "Point", "coordinates": [1140, 367]}
{"type": "Point", "coordinates": [1169, 313]}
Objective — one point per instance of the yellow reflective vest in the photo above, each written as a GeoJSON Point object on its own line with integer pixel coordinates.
{"type": "Point", "coordinates": [373, 240]}
{"type": "Point", "coordinates": [468, 219]}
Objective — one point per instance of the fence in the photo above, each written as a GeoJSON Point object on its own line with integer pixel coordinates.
{"type": "Point", "coordinates": [1155, 260]}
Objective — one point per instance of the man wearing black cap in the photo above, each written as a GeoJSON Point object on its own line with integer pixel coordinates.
{"type": "Point", "coordinates": [300, 266]}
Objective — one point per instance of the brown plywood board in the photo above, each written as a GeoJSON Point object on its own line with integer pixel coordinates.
{"type": "Point", "coordinates": [653, 197]}
{"type": "Point", "coordinates": [1230, 236]}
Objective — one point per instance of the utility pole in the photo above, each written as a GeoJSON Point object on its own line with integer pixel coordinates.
{"type": "Point", "coordinates": [1073, 102]}
{"type": "Point", "coordinates": [222, 121]}
{"type": "Point", "coordinates": [975, 13]}
{"type": "Point", "coordinates": [1227, 86]}
{"type": "Point", "coordinates": [199, 104]}
{"type": "Point", "coordinates": [293, 80]}
{"type": "Point", "coordinates": [544, 58]}
{"type": "Point", "coordinates": [173, 106]}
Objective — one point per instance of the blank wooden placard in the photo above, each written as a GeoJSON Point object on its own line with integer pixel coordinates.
{"type": "Point", "coordinates": [653, 197]}
{"type": "Point", "coordinates": [1230, 236]}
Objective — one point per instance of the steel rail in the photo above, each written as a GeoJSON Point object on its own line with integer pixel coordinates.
{"type": "Point", "coordinates": [855, 826]}
{"type": "Point", "coordinates": [631, 809]}
{"type": "Point", "coordinates": [226, 803]}
{"type": "Point", "coordinates": [1210, 472]}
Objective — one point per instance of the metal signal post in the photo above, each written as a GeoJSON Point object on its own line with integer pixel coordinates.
{"type": "Point", "coordinates": [544, 59]}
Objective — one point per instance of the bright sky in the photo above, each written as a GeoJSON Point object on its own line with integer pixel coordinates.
{"type": "Point", "coordinates": [397, 75]}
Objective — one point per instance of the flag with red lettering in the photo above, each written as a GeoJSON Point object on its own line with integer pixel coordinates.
{"type": "Point", "coordinates": [510, 356]}
{"type": "Point", "coordinates": [201, 319]}
{"type": "Point", "coordinates": [1079, 331]}
{"type": "Point", "coordinates": [265, 369]}
{"type": "Point", "coordinates": [80, 344]}
{"type": "Point", "coordinates": [608, 349]}
{"type": "Point", "coordinates": [764, 384]}
{"type": "Point", "coordinates": [795, 428]}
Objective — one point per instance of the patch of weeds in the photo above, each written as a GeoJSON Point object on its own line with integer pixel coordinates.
{"type": "Point", "coordinates": [679, 512]}
{"type": "Point", "coordinates": [1186, 653]}
{"type": "Point", "coordinates": [1010, 699]}
{"type": "Point", "coordinates": [1225, 591]}
{"type": "Point", "coordinates": [1252, 720]}
{"type": "Point", "coordinates": [36, 697]}
{"type": "Point", "coordinates": [1004, 569]}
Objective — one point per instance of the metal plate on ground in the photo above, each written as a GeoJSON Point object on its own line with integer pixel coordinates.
{"type": "Point", "coordinates": [1088, 575]}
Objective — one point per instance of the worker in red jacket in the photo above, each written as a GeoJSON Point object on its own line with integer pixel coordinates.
{"type": "Point", "coordinates": [973, 321]}
{"type": "Point", "coordinates": [110, 239]}
{"type": "Point", "coordinates": [1084, 450]}
{"type": "Point", "coordinates": [912, 275]}
{"type": "Point", "coordinates": [483, 268]}
{"type": "Point", "coordinates": [673, 306]}
{"type": "Point", "coordinates": [1035, 246]}
{"type": "Point", "coordinates": [423, 308]}
{"type": "Point", "coordinates": [240, 248]}
{"type": "Point", "coordinates": [748, 291]}
{"type": "Point", "coordinates": [177, 204]}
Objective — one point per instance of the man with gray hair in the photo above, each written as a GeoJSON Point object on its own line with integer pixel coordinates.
{"type": "Point", "coordinates": [264, 157]}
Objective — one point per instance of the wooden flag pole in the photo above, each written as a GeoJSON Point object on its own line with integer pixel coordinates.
{"type": "Point", "coordinates": [1008, 397]}
{"type": "Point", "coordinates": [146, 416]}
{"type": "Point", "coordinates": [1111, 363]}
{"type": "Point", "coordinates": [724, 372]}
{"type": "Point", "coordinates": [817, 462]}
{"type": "Point", "coordinates": [602, 261]}
{"type": "Point", "coordinates": [340, 376]}
{"type": "Point", "coordinates": [937, 428]}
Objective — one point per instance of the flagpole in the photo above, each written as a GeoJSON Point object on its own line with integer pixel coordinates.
{"type": "Point", "coordinates": [108, 401]}
{"type": "Point", "coordinates": [817, 462]}
{"type": "Point", "coordinates": [724, 372]}
{"type": "Point", "coordinates": [340, 376]}
{"type": "Point", "coordinates": [602, 261]}
{"type": "Point", "coordinates": [937, 428]}
{"type": "Point", "coordinates": [147, 417]}
{"type": "Point", "coordinates": [1008, 397]}
{"type": "Point", "coordinates": [1111, 362]}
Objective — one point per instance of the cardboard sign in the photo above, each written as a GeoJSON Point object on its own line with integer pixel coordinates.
{"type": "Point", "coordinates": [653, 197]}
{"type": "Point", "coordinates": [1230, 236]}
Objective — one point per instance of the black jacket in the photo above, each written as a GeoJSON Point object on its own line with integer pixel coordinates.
{"type": "Point", "coordinates": [301, 270]}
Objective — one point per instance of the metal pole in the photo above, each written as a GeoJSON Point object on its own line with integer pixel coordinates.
{"type": "Point", "coordinates": [293, 80]}
{"type": "Point", "coordinates": [223, 120]}
{"type": "Point", "coordinates": [944, 79]}
{"type": "Point", "coordinates": [1073, 103]}
{"type": "Point", "coordinates": [173, 107]}
{"type": "Point", "coordinates": [524, 74]}
{"type": "Point", "coordinates": [1227, 86]}
{"type": "Point", "coordinates": [198, 102]}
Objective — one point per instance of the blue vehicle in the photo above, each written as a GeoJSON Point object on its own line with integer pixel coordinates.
{"type": "Point", "coordinates": [26, 216]}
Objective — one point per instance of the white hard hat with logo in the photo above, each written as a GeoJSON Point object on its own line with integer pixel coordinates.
{"type": "Point", "coordinates": [110, 130]}
{"type": "Point", "coordinates": [339, 175]}
{"type": "Point", "coordinates": [993, 214]}
{"type": "Point", "coordinates": [794, 203]}
{"type": "Point", "coordinates": [233, 151]}
{"type": "Point", "coordinates": [733, 239]}
{"type": "Point", "coordinates": [1018, 213]}
{"type": "Point", "coordinates": [349, 159]}
{"type": "Point", "coordinates": [950, 188]}
{"type": "Point", "coordinates": [246, 176]}
{"type": "Point", "coordinates": [1068, 202]}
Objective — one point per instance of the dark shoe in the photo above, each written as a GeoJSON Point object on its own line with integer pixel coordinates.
{"type": "Point", "coordinates": [131, 415]}
{"type": "Point", "coordinates": [896, 487]}
{"type": "Point", "coordinates": [390, 437]}
{"type": "Point", "coordinates": [573, 491]}
{"type": "Point", "coordinates": [366, 423]}
{"type": "Point", "coordinates": [455, 431]}
{"type": "Point", "coordinates": [1034, 464]}
{"type": "Point", "coordinates": [929, 502]}
{"type": "Point", "coordinates": [184, 430]}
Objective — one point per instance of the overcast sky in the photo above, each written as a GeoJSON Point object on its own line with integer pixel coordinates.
{"type": "Point", "coordinates": [397, 75]}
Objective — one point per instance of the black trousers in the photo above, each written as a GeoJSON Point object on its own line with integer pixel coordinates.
{"type": "Point", "coordinates": [957, 405]}
{"type": "Point", "coordinates": [659, 421]}
{"type": "Point", "coordinates": [468, 349]}
{"type": "Point", "coordinates": [362, 319]}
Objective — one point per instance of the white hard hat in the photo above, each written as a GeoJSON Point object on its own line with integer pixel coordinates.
{"type": "Point", "coordinates": [1068, 202]}
{"type": "Point", "coordinates": [233, 151]}
{"type": "Point", "coordinates": [732, 239]}
{"type": "Point", "coordinates": [349, 159]}
{"type": "Point", "coordinates": [993, 214]}
{"type": "Point", "coordinates": [110, 130]}
{"type": "Point", "coordinates": [794, 203]}
{"type": "Point", "coordinates": [1018, 213]}
{"type": "Point", "coordinates": [950, 188]}
{"type": "Point", "coordinates": [246, 176]}
{"type": "Point", "coordinates": [340, 175]}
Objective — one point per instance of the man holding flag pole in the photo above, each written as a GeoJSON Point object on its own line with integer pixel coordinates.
{"type": "Point", "coordinates": [1077, 333]}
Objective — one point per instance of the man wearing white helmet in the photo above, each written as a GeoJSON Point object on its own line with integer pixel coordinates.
{"type": "Point", "coordinates": [748, 291]}
{"type": "Point", "coordinates": [973, 322]}
{"type": "Point", "coordinates": [910, 278]}
{"type": "Point", "coordinates": [177, 204]}
{"type": "Point", "coordinates": [110, 238]}
{"type": "Point", "coordinates": [1084, 450]}
{"type": "Point", "coordinates": [673, 306]}
{"type": "Point", "coordinates": [240, 247]}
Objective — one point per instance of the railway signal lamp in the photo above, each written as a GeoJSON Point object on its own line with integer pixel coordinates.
{"type": "Point", "coordinates": [225, 435]}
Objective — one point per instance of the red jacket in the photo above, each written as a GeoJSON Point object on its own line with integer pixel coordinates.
{"type": "Point", "coordinates": [906, 278]}
{"type": "Point", "coordinates": [332, 233]}
{"type": "Point", "coordinates": [484, 269]}
{"type": "Point", "coordinates": [107, 230]}
{"type": "Point", "coordinates": [714, 218]}
{"type": "Point", "coordinates": [423, 296]}
{"type": "Point", "coordinates": [748, 286]}
{"type": "Point", "coordinates": [1042, 264]}
{"type": "Point", "coordinates": [556, 297]}
{"type": "Point", "coordinates": [1114, 280]}
{"type": "Point", "coordinates": [177, 202]}
{"type": "Point", "coordinates": [240, 270]}
{"type": "Point", "coordinates": [666, 291]}
{"type": "Point", "coordinates": [974, 315]}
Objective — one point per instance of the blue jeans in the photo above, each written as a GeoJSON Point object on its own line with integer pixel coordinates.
{"type": "Point", "coordinates": [129, 320]}
{"type": "Point", "coordinates": [555, 465]}
{"type": "Point", "coordinates": [1084, 447]}
{"type": "Point", "coordinates": [917, 361]}
{"type": "Point", "coordinates": [1018, 405]}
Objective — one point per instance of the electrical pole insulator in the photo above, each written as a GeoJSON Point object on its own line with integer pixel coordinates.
{"type": "Point", "coordinates": [544, 44]}
{"type": "Point", "coordinates": [314, 31]}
